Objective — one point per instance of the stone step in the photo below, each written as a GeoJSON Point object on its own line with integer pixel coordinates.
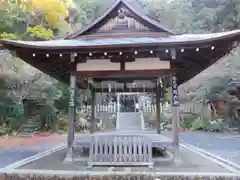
{"type": "Point", "coordinates": [30, 125]}
{"type": "Point", "coordinates": [27, 130]}
{"type": "Point", "coordinates": [129, 121]}
{"type": "Point", "coordinates": [26, 134]}
{"type": "Point", "coordinates": [33, 121]}
{"type": "Point", "coordinates": [33, 117]}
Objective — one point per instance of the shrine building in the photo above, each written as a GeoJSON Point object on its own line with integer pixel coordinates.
{"type": "Point", "coordinates": [129, 51]}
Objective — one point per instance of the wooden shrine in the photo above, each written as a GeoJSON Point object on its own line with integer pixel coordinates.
{"type": "Point", "coordinates": [121, 48]}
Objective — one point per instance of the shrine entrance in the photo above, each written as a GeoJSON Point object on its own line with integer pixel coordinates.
{"type": "Point", "coordinates": [128, 102]}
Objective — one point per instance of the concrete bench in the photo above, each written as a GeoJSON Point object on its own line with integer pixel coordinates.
{"type": "Point", "coordinates": [120, 150]}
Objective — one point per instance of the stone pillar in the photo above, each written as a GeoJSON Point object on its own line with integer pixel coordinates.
{"type": "Point", "coordinates": [158, 113]}
{"type": "Point", "coordinates": [93, 119]}
{"type": "Point", "coordinates": [175, 115]}
{"type": "Point", "coordinates": [71, 115]}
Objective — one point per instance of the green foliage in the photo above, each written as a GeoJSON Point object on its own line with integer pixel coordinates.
{"type": "Point", "coordinates": [196, 16]}
{"type": "Point", "coordinates": [199, 124]}
{"type": "Point", "coordinates": [39, 32]}
{"type": "Point", "coordinates": [62, 103]}
{"type": "Point", "coordinates": [5, 35]}
{"type": "Point", "coordinates": [3, 129]}
{"type": "Point", "coordinates": [48, 117]}
{"type": "Point", "coordinates": [11, 124]}
{"type": "Point", "coordinates": [88, 10]}
{"type": "Point", "coordinates": [2, 84]}
{"type": "Point", "coordinates": [63, 124]}
{"type": "Point", "coordinates": [12, 17]}
{"type": "Point", "coordinates": [187, 121]}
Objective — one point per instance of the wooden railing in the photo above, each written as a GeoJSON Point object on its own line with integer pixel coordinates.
{"type": "Point", "coordinates": [112, 108]}
{"type": "Point", "coordinates": [117, 150]}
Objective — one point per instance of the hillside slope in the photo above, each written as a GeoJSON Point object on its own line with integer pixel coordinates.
{"type": "Point", "coordinates": [229, 66]}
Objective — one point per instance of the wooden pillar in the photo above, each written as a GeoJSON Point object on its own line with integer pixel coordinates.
{"type": "Point", "coordinates": [158, 112]}
{"type": "Point", "coordinates": [93, 122]}
{"type": "Point", "coordinates": [175, 114]}
{"type": "Point", "coordinates": [118, 111]}
{"type": "Point", "coordinates": [71, 114]}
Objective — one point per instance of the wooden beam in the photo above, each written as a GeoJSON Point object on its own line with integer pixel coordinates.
{"type": "Point", "coordinates": [71, 119]}
{"type": "Point", "coordinates": [106, 90]}
{"type": "Point", "coordinates": [124, 79]}
{"type": "Point", "coordinates": [158, 113]}
{"type": "Point", "coordinates": [129, 35]}
{"type": "Point", "coordinates": [130, 73]}
{"type": "Point", "coordinates": [93, 120]}
{"type": "Point", "coordinates": [175, 116]}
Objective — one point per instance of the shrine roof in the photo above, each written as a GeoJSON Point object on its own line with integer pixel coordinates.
{"type": "Point", "coordinates": [183, 39]}
{"type": "Point", "coordinates": [130, 5]}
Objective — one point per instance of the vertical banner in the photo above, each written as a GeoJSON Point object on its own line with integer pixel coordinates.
{"type": "Point", "coordinates": [175, 95]}
{"type": "Point", "coordinates": [72, 90]}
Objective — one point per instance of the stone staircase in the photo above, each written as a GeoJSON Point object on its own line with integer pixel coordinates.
{"type": "Point", "coordinates": [32, 125]}
{"type": "Point", "coordinates": [129, 121]}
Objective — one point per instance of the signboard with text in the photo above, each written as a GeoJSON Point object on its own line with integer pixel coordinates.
{"type": "Point", "coordinates": [175, 95]}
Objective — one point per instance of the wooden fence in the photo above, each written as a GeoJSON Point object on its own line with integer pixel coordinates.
{"type": "Point", "coordinates": [119, 150]}
{"type": "Point", "coordinates": [112, 108]}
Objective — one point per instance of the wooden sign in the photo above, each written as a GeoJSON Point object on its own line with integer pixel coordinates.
{"type": "Point", "coordinates": [72, 91]}
{"type": "Point", "coordinates": [175, 95]}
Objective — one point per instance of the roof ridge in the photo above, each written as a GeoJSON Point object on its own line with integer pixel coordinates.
{"type": "Point", "coordinates": [146, 18]}
{"type": "Point", "coordinates": [116, 3]}
{"type": "Point", "coordinates": [80, 31]}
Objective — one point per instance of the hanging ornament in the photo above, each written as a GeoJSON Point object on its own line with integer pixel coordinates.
{"type": "Point", "coordinates": [161, 83]}
{"type": "Point", "coordinates": [109, 88]}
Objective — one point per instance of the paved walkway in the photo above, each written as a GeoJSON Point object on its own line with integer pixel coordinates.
{"type": "Point", "coordinates": [225, 146]}
{"type": "Point", "coordinates": [13, 149]}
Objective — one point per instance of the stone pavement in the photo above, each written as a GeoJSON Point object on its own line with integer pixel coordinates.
{"type": "Point", "coordinates": [13, 149]}
{"type": "Point", "coordinates": [189, 162]}
{"type": "Point", "coordinates": [222, 145]}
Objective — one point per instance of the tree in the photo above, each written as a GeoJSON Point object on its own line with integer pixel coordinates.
{"type": "Point", "coordinates": [82, 12]}
{"type": "Point", "coordinates": [32, 19]}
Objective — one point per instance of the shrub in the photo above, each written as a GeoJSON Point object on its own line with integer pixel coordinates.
{"type": "Point", "coordinates": [187, 121]}
{"type": "Point", "coordinates": [63, 124]}
{"type": "Point", "coordinates": [3, 129]}
{"type": "Point", "coordinates": [199, 124]}
{"type": "Point", "coordinates": [40, 32]}
{"type": "Point", "coordinates": [5, 35]}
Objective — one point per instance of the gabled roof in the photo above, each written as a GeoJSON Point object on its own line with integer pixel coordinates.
{"type": "Point", "coordinates": [131, 7]}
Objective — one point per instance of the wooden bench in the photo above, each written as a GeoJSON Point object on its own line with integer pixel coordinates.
{"type": "Point", "coordinates": [120, 150]}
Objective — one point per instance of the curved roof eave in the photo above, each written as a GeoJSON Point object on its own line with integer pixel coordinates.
{"type": "Point", "coordinates": [185, 39]}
